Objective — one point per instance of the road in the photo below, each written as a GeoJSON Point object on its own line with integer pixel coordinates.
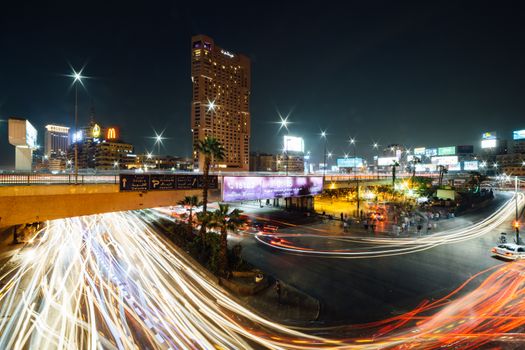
{"type": "Point", "coordinates": [111, 281]}
{"type": "Point", "coordinates": [381, 285]}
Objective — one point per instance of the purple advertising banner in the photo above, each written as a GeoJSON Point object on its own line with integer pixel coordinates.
{"type": "Point", "coordinates": [246, 188]}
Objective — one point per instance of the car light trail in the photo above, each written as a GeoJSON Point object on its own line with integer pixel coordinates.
{"type": "Point", "coordinates": [377, 247]}
{"type": "Point", "coordinates": [110, 281]}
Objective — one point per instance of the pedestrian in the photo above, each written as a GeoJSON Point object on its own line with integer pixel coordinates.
{"type": "Point", "coordinates": [429, 226]}
{"type": "Point", "coordinates": [419, 227]}
{"type": "Point", "coordinates": [437, 216]}
{"type": "Point", "coordinates": [345, 226]}
{"type": "Point", "coordinates": [435, 225]}
{"type": "Point", "coordinates": [278, 290]}
{"type": "Point", "coordinates": [342, 217]}
{"type": "Point", "coordinates": [365, 224]}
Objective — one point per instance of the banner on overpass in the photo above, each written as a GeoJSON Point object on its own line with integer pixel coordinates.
{"type": "Point", "coordinates": [245, 188]}
{"type": "Point", "coordinates": [165, 182]}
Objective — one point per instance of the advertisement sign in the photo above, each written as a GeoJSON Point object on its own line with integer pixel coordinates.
{"type": "Point", "coordinates": [518, 134]}
{"type": "Point", "coordinates": [242, 188]}
{"type": "Point", "coordinates": [31, 135]}
{"type": "Point", "coordinates": [488, 143]}
{"type": "Point", "coordinates": [470, 165]}
{"type": "Point", "coordinates": [386, 161]}
{"type": "Point", "coordinates": [293, 144]}
{"type": "Point", "coordinates": [112, 133]}
{"type": "Point", "coordinates": [446, 151]}
{"type": "Point", "coordinates": [445, 160]}
{"type": "Point", "coordinates": [490, 135]}
{"type": "Point", "coordinates": [454, 167]}
{"type": "Point", "coordinates": [160, 182]}
{"type": "Point", "coordinates": [425, 167]}
{"type": "Point", "coordinates": [78, 136]}
{"type": "Point", "coordinates": [419, 151]}
{"type": "Point", "coordinates": [431, 152]}
{"type": "Point", "coordinates": [465, 149]}
{"type": "Point", "coordinates": [349, 162]}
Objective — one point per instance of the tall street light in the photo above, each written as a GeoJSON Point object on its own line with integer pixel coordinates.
{"type": "Point", "coordinates": [283, 124]}
{"type": "Point", "coordinates": [323, 135]}
{"type": "Point", "coordinates": [77, 78]}
{"type": "Point", "coordinates": [516, 222]}
{"type": "Point", "coordinates": [375, 146]}
{"type": "Point", "coordinates": [353, 142]}
{"type": "Point", "coordinates": [158, 141]}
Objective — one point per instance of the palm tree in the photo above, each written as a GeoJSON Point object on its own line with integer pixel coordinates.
{"type": "Point", "coordinates": [415, 161]}
{"type": "Point", "coordinates": [190, 202]}
{"type": "Point", "coordinates": [442, 171]}
{"type": "Point", "coordinates": [395, 164]}
{"type": "Point", "coordinates": [225, 221]}
{"type": "Point", "coordinates": [211, 149]}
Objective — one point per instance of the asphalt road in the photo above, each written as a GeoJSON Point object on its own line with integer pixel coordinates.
{"type": "Point", "coordinates": [362, 290]}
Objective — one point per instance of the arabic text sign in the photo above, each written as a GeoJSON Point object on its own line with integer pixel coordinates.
{"type": "Point", "coordinates": [242, 188]}
{"type": "Point", "coordinates": [165, 182]}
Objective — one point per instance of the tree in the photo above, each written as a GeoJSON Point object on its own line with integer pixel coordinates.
{"type": "Point", "coordinates": [211, 149]}
{"type": "Point", "coordinates": [415, 161]}
{"type": "Point", "coordinates": [442, 171]}
{"type": "Point", "coordinates": [225, 220]}
{"type": "Point", "coordinates": [395, 164]}
{"type": "Point", "coordinates": [190, 202]}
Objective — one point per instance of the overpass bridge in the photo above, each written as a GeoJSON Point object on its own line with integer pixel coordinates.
{"type": "Point", "coordinates": [29, 198]}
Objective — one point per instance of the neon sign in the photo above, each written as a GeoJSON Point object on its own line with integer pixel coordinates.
{"type": "Point", "coordinates": [111, 134]}
{"type": "Point", "coordinates": [227, 53]}
{"type": "Point", "coordinates": [96, 131]}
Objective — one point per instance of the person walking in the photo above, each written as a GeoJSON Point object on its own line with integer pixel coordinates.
{"type": "Point", "coordinates": [278, 290]}
{"type": "Point", "coordinates": [345, 226]}
{"type": "Point", "coordinates": [429, 227]}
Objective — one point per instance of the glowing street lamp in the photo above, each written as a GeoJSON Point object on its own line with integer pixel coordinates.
{"type": "Point", "coordinates": [77, 78]}
{"type": "Point", "coordinates": [158, 141]}
{"type": "Point", "coordinates": [323, 136]}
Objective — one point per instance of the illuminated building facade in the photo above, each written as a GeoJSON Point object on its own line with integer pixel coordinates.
{"type": "Point", "coordinates": [220, 102]}
{"type": "Point", "coordinates": [56, 141]}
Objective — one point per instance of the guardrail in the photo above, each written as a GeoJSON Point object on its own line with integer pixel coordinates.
{"type": "Point", "coordinates": [48, 179]}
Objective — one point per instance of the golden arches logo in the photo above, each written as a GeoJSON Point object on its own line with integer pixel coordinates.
{"type": "Point", "coordinates": [112, 134]}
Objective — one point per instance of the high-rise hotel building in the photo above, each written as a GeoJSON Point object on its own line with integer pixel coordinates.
{"type": "Point", "coordinates": [56, 141]}
{"type": "Point", "coordinates": [220, 102]}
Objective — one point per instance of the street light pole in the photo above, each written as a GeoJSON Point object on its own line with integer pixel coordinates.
{"type": "Point", "coordinates": [353, 142]}
{"type": "Point", "coordinates": [323, 135]}
{"type": "Point", "coordinates": [516, 223]}
{"type": "Point", "coordinates": [76, 126]}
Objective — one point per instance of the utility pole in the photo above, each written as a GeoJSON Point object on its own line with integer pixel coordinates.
{"type": "Point", "coordinates": [516, 222]}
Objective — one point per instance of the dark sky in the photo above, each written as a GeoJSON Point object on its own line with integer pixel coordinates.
{"type": "Point", "coordinates": [417, 73]}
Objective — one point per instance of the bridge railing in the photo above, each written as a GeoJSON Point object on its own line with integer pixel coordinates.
{"type": "Point", "coordinates": [34, 179]}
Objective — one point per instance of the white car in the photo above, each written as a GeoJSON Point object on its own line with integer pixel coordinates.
{"type": "Point", "coordinates": [509, 251]}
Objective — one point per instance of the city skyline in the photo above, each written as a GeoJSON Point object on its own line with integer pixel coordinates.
{"type": "Point", "coordinates": [434, 75]}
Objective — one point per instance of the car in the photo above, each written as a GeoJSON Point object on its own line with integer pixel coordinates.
{"type": "Point", "coordinates": [509, 251]}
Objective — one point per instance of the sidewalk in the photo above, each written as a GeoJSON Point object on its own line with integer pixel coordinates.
{"type": "Point", "coordinates": [295, 306]}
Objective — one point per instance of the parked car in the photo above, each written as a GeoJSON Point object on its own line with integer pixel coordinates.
{"type": "Point", "coordinates": [509, 251]}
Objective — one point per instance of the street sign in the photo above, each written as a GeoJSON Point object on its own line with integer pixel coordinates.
{"type": "Point", "coordinates": [165, 182]}
{"type": "Point", "coordinates": [134, 182]}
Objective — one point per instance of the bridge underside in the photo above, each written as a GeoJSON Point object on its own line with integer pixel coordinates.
{"type": "Point", "coordinates": [34, 203]}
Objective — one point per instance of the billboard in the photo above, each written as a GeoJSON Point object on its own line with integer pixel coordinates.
{"type": "Point", "coordinates": [156, 182]}
{"type": "Point", "coordinates": [22, 133]}
{"type": "Point", "coordinates": [446, 151]}
{"type": "Point", "coordinates": [470, 165]}
{"type": "Point", "coordinates": [349, 162]}
{"type": "Point", "coordinates": [518, 134]}
{"type": "Point", "coordinates": [454, 167]}
{"type": "Point", "coordinates": [293, 144]}
{"type": "Point", "coordinates": [491, 143]}
{"type": "Point", "coordinates": [445, 160]}
{"type": "Point", "coordinates": [425, 167]}
{"type": "Point", "coordinates": [431, 152]}
{"type": "Point", "coordinates": [419, 151]}
{"type": "Point", "coordinates": [489, 135]}
{"type": "Point", "coordinates": [386, 161]}
{"type": "Point", "coordinates": [465, 149]}
{"type": "Point", "coordinates": [243, 188]}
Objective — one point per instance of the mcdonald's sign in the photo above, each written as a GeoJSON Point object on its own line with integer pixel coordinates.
{"type": "Point", "coordinates": [111, 134]}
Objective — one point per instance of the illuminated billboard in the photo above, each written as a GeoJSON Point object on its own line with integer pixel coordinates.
{"type": "Point", "coordinates": [419, 151]}
{"type": "Point", "coordinates": [490, 135]}
{"type": "Point", "coordinates": [454, 167]}
{"type": "Point", "coordinates": [446, 151]}
{"type": "Point", "coordinates": [518, 134]}
{"type": "Point", "coordinates": [112, 133]}
{"type": "Point", "coordinates": [243, 188]}
{"type": "Point", "coordinates": [78, 136]}
{"type": "Point", "coordinates": [293, 144]}
{"type": "Point", "coordinates": [349, 162]}
{"type": "Point", "coordinates": [488, 143]}
{"type": "Point", "coordinates": [96, 131]}
{"type": "Point", "coordinates": [425, 167]}
{"type": "Point", "coordinates": [431, 152]}
{"type": "Point", "coordinates": [470, 165]}
{"type": "Point", "coordinates": [386, 161]}
{"type": "Point", "coordinates": [445, 160]}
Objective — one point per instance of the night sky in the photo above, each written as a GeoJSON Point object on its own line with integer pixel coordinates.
{"type": "Point", "coordinates": [416, 73]}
